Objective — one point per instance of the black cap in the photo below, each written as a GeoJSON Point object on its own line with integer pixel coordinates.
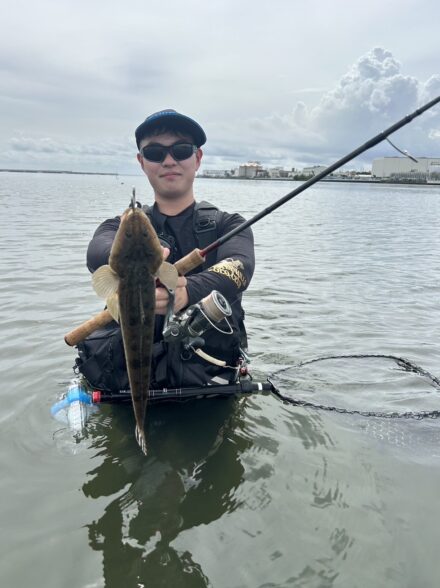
{"type": "Point", "coordinates": [174, 121]}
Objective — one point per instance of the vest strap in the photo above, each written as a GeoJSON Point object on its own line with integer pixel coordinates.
{"type": "Point", "coordinates": [204, 227]}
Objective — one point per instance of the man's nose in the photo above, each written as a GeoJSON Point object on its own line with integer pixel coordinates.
{"type": "Point", "coordinates": [169, 160]}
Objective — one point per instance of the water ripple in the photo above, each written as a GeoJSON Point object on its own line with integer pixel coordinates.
{"type": "Point", "coordinates": [286, 496]}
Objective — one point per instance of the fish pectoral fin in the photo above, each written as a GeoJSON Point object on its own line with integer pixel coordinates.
{"type": "Point", "coordinates": [105, 281]}
{"type": "Point", "coordinates": [113, 305]}
{"type": "Point", "coordinates": [168, 275]}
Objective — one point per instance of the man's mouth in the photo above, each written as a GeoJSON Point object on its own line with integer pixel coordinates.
{"type": "Point", "coordinates": [170, 175]}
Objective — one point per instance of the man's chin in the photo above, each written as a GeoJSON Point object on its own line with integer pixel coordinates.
{"type": "Point", "coordinates": [171, 195]}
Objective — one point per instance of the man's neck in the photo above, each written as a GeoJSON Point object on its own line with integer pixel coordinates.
{"type": "Point", "coordinates": [170, 207]}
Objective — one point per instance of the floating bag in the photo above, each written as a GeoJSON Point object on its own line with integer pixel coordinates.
{"type": "Point", "coordinates": [101, 360]}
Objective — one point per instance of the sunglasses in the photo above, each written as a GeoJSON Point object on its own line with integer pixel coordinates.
{"type": "Point", "coordinates": [178, 151]}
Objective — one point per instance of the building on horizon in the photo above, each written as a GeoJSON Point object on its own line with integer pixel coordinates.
{"type": "Point", "coordinates": [250, 169]}
{"type": "Point", "coordinates": [313, 170]}
{"type": "Point", "coordinates": [217, 173]}
{"type": "Point", "coordinates": [403, 168]}
{"type": "Point", "coordinates": [278, 172]}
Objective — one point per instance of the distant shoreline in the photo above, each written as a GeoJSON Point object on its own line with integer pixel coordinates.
{"type": "Point", "coordinates": [202, 177]}
{"type": "Point", "coordinates": [52, 171]}
{"type": "Point", "coordinates": [335, 180]}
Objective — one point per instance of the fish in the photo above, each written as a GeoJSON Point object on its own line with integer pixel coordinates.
{"type": "Point", "coordinates": [128, 285]}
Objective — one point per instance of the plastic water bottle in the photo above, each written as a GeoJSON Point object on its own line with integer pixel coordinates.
{"type": "Point", "coordinates": [74, 407]}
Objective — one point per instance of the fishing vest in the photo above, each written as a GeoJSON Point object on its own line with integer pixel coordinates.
{"type": "Point", "coordinates": [101, 356]}
{"type": "Point", "coordinates": [204, 227]}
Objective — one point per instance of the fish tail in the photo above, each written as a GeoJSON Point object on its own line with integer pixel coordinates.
{"type": "Point", "coordinates": [140, 438]}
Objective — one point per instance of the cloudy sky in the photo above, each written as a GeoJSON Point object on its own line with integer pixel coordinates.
{"type": "Point", "coordinates": [285, 82]}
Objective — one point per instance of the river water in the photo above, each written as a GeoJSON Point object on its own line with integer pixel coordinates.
{"type": "Point", "coordinates": [251, 493]}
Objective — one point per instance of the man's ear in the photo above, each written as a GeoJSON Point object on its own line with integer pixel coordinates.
{"type": "Point", "coordinates": [141, 160]}
{"type": "Point", "coordinates": [199, 155]}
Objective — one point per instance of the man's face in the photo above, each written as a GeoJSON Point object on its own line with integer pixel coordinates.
{"type": "Point", "coordinates": [170, 179]}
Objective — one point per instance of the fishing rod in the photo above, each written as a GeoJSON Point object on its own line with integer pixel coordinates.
{"type": "Point", "coordinates": [331, 168]}
{"type": "Point", "coordinates": [197, 257]}
{"type": "Point", "coordinates": [244, 387]}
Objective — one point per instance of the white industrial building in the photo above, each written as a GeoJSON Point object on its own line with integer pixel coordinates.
{"type": "Point", "coordinates": [313, 170]}
{"type": "Point", "coordinates": [277, 172]}
{"type": "Point", "coordinates": [426, 168]}
{"type": "Point", "coordinates": [216, 173]}
{"type": "Point", "coordinates": [250, 169]}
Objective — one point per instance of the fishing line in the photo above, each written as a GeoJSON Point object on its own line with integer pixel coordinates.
{"type": "Point", "coordinates": [400, 361]}
{"type": "Point", "coordinates": [402, 151]}
{"type": "Point", "coordinates": [198, 256]}
{"type": "Point", "coordinates": [331, 168]}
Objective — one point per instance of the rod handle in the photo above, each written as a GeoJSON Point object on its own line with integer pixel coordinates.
{"type": "Point", "coordinates": [80, 333]}
{"type": "Point", "coordinates": [183, 266]}
{"type": "Point", "coordinates": [189, 262]}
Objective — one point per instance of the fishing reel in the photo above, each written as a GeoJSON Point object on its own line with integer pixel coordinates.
{"type": "Point", "coordinates": [188, 326]}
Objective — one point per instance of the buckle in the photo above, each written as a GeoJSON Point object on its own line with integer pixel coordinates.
{"type": "Point", "coordinates": [204, 224]}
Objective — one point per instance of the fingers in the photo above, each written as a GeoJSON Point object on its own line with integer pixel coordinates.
{"type": "Point", "coordinates": [161, 301]}
{"type": "Point", "coordinates": [180, 300]}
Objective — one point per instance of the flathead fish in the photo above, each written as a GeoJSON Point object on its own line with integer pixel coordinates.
{"type": "Point", "coordinates": [128, 285]}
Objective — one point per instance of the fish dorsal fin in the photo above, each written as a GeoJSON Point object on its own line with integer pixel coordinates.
{"type": "Point", "coordinates": [105, 281]}
{"type": "Point", "coordinates": [168, 275]}
{"type": "Point", "coordinates": [113, 305]}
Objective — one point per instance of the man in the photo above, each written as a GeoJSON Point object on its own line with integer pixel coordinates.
{"type": "Point", "coordinates": [170, 154]}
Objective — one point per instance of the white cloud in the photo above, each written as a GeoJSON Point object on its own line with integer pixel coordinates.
{"type": "Point", "coordinates": [49, 145]}
{"type": "Point", "coordinates": [272, 81]}
{"type": "Point", "coordinates": [49, 153]}
{"type": "Point", "coordinates": [371, 96]}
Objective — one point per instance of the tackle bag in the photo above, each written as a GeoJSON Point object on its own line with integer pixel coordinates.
{"type": "Point", "coordinates": [101, 360]}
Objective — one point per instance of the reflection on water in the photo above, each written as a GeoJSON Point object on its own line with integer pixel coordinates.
{"type": "Point", "coordinates": [180, 485]}
{"type": "Point", "coordinates": [152, 530]}
{"type": "Point", "coordinates": [233, 494]}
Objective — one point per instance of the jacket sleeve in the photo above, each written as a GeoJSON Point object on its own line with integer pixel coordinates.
{"type": "Point", "coordinates": [233, 271]}
{"type": "Point", "coordinates": [99, 248]}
